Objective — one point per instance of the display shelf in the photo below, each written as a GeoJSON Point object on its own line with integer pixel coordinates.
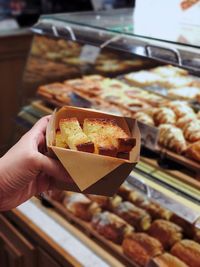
{"type": "Point", "coordinates": [96, 28]}
{"type": "Point", "coordinates": [175, 191]}
{"type": "Point", "coordinates": [168, 192]}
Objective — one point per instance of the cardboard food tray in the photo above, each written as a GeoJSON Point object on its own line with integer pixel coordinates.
{"type": "Point", "coordinates": [90, 231]}
{"type": "Point", "coordinates": [92, 173]}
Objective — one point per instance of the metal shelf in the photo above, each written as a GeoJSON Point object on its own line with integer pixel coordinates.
{"type": "Point", "coordinates": [112, 29]}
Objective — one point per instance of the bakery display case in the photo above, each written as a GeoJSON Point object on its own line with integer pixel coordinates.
{"type": "Point", "coordinates": [90, 60]}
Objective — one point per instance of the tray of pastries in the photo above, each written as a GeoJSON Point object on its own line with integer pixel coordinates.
{"type": "Point", "coordinates": [178, 130]}
{"type": "Point", "coordinates": [136, 230]}
{"type": "Point", "coordinates": [103, 91]}
{"type": "Point", "coordinates": [174, 82]}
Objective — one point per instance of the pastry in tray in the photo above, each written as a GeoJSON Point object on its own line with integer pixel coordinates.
{"type": "Point", "coordinates": [188, 92]}
{"type": "Point", "coordinates": [135, 216]}
{"type": "Point", "coordinates": [111, 226]}
{"type": "Point", "coordinates": [143, 78]}
{"type": "Point", "coordinates": [188, 251]}
{"type": "Point", "coordinates": [169, 71]}
{"type": "Point", "coordinates": [191, 131]}
{"type": "Point", "coordinates": [56, 91]}
{"type": "Point", "coordinates": [81, 206]}
{"type": "Point", "coordinates": [144, 117]}
{"type": "Point", "coordinates": [100, 136]}
{"type": "Point", "coordinates": [181, 108]}
{"type": "Point", "coordinates": [141, 247]}
{"type": "Point", "coordinates": [188, 229]}
{"type": "Point", "coordinates": [166, 260]}
{"type": "Point", "coordinates": [183, 121]}
{"type": "Point", "coordinates": [172, 137]}
{"type": "Point", "coordinates": [155, 210]}
{"type": "Point", "coordinates": [177, 81]}
{"type": "Point", "coordinates": [193, 151]}
{"type": "Point", "coordinates": [166, 232]}
{"type": "Point", "coordinates": [164, 115]}
{"type": "Point", "coordinates": [104, 201]}
{"type": "Point", "coordinates": [127, 193]}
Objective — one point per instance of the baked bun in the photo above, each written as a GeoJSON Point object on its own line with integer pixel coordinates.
{"type": "Point", "coordinates": [155, 210]}
{"type": "Point", "coordinates": [188, 251]}
{"type": "Point", "coordinates": [166, 260]}
{"type": "Point", "coordinates": [141, 247]}
{"type": "Point", "coordinates": [111, 226]}
{"type": "Point", "coordinates": [127, 193]}
{"type": "Point", "coordinates": [80, 206]}
{"type": "Point", "coordinates": [135, 216]}
{"type": "Point", "coordinates": [180, 108]}
{"type": "Point", "coordinates": [166, 232]}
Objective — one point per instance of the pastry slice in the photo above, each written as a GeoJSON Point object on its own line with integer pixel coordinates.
{"type": "Point", "coordinates": [143, 78]}
{"type": "Point", "coordinates": [74, 136]}
{"type": "Point", "coordinates": [59, 141]}
{"type": "Point", "coordinates": [141, 247]}
{"type": "Point", "coordinates": [107, 136]}
{"type": "Point", "coordinates": [188, 92]}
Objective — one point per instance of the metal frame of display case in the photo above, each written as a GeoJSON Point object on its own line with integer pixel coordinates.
{"type": "Point", "coordinates": [96, 28]}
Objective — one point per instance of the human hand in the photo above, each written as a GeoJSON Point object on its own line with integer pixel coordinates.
{"type": "Point", "coordinates": [26, 171]}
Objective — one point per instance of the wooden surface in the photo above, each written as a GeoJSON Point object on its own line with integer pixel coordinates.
{"type": "Point", "coordinates": [13, 53]}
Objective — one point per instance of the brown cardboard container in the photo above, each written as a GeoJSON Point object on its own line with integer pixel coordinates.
{"type": "Point", "coordinates": [92, 173]}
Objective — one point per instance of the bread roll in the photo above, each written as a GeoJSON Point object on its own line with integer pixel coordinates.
{"type": "Point", "coordinates": [166, 232]}
{"type": "Point", "coordinates": [140, 247]}
{"type": "Point", "coordinates": [188, 251]}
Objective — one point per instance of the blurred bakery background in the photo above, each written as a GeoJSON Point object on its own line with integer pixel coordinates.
{"type": "Point", "coordinates": [112, 56]}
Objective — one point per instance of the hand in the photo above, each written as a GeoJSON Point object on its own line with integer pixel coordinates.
{"type": "Point", "coordinates": [25, 171]}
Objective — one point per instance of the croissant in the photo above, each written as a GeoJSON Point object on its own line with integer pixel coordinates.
{"type": "Point", "coordinates": [164, 115]}
{"type": "Point", "coordinates": [172, 137]}
{"type": "Point", "coordinates": [191, 131]}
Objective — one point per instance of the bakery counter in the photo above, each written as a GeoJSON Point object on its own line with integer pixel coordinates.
{"type": "Point", "coordinates": [60, 242]}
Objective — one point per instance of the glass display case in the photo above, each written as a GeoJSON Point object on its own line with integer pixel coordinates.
{"type": "Point", "coordinates": [95, 60]}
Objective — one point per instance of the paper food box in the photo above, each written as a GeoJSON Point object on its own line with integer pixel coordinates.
{"type": "Point", "coordinates": [93, 173]}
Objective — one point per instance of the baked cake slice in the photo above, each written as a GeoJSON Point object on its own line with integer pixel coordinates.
{"type": "Point", "coordinates": [76, 139]}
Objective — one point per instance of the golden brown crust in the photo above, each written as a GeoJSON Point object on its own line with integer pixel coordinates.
{"type": "Point", "coordinates": [81, 206]}
{"type": "Point", "coordinates": [166, 260]}
{"type": "Point", "coordinates": [164, 115]}
{"type": "Point", "coordinates": [111, 226]}
{"type": "Point", "coordinates": [166, 232]}
{"type": "Point", "coordinates": [135, 216]}
{"type": "Point", "coordinates": [140, 247]}
{"type": "Point", "coordinates": [188, 251]}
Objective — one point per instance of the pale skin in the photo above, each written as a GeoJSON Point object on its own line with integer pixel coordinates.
{"type": "Point", "coordinates": [26, 171]}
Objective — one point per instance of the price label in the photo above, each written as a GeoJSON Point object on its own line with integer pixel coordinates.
{"type": "Point", "coordinates": [89, 53]}
{"type": "Point", "coordinates": [149, 135]}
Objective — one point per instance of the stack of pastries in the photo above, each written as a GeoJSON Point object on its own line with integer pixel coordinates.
{"type": "Point", "coordinates": [179, 127]}
{"type": "Point", "coordinates": [148, 234]}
